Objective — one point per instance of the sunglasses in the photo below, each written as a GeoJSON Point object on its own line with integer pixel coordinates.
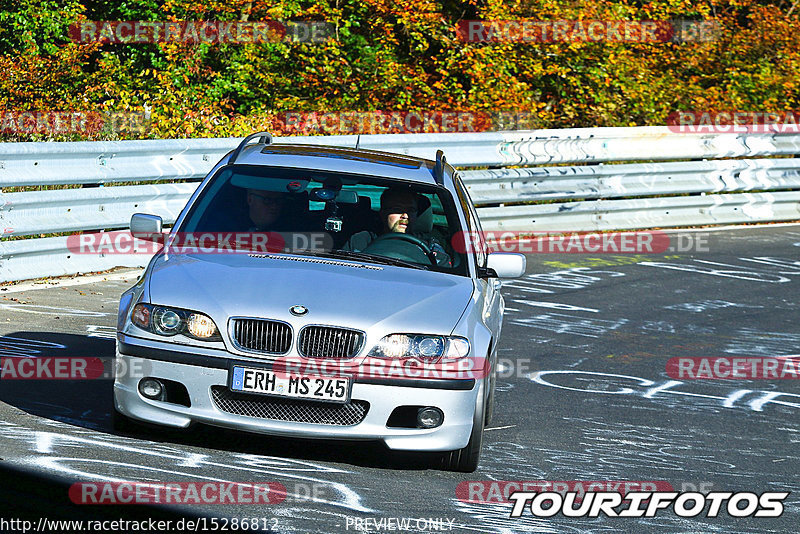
{"type": "Point", "coordinates": [274, 201]}
{"type": "Point", "coordinates": [398, 208]}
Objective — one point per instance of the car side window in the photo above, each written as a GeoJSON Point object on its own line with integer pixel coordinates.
{"type": "Point", "coordinates": [477, 238]}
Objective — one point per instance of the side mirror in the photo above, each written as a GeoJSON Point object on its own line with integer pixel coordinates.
{"type": "Point", "coordinates": [147, 227]}
{"type": "Point", "coordinates": [506, 265]}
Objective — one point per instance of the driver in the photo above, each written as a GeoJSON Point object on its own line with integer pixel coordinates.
{"type": "Point", "coordinates": [398, 212]}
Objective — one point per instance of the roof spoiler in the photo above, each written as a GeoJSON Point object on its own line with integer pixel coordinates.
{"type": "Point", "coordinates": [264, 138]}
{"type": "Point", "coordinates": [438, 170]}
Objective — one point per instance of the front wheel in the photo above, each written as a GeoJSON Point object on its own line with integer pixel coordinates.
{"type": "Point", "coordinates": [466, 460]}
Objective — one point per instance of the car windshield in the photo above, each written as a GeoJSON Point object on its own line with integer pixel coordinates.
{"type": "Point", "coordinates": [337, 215]}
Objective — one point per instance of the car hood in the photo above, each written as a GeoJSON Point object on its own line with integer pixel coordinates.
{"type": "Point", "coordinates": [374, 298]}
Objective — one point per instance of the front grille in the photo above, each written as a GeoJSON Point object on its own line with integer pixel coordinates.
{"type": "Point", "coordinates": [299, 411]}
{"type": "Point", "coordinates": [262, 335]}
{"type": "Point", "coordinates": [329, 342]}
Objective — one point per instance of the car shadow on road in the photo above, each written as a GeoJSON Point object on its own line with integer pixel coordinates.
{"type": "Point", "coordinates": [78, 402]}
{"type": "Point", "coordinates": [87, 403]}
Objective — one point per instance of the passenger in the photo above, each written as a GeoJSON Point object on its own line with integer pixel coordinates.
{"type": "Point", "coordinates": [264, 208]}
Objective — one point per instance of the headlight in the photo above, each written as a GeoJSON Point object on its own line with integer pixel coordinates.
{"type": "Point", "coordinates": [422, 347]}
{"type": "Point", "coordinates": [166, 321]}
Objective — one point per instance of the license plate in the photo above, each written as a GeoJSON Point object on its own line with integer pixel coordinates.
{"type": "Point", "coordinates": [265, 382]}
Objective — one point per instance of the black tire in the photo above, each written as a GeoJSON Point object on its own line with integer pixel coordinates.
{"type": "Point", "coordinates": [124, 424]}
{"type": "Point", "coordinates": [466, 460]}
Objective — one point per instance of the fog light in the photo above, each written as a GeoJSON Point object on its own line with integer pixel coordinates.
{"type": "Point", "coordinates": [429, 417]}
{"type": "Point", "coordinates": [151, 388]}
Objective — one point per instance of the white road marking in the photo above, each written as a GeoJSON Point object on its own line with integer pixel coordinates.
{"type": "Point", "coordinates": [128, 274]}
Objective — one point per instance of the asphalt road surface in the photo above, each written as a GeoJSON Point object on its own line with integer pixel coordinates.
{"type": "Point", "coordinates": [607, 324]}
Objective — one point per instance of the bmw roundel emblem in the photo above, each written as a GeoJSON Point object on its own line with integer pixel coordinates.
{"type": "Point", "coordinates": [298, 310]}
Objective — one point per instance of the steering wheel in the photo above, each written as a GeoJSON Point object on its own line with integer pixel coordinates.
{"type": "Point", "coordinates": [399, 236]}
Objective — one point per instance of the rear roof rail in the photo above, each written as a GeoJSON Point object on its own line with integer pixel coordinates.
{"type": "Point", "coordinates": [264, 138]}
{"type": "Point", "coordinates": [438, 170]}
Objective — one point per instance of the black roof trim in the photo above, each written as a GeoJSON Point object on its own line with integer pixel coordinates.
{"type": "Point", "coordinates": [264, 138]}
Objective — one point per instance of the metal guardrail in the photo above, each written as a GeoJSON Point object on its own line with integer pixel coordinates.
{"type": "Point", "coordinates": [645, 212]}
{"type": "Point", "coordinates": [72, 210]}
{"type": "Point", "coordinates": [50, 256]}
{"type": "Point", "coordinates": [635, 180]}
{"type": "Point", "coordinates": [587, 196]}
{"type": "Point", "coordinates": [595, 145]}
{"type": "Point", "coordinates": [33, 164]}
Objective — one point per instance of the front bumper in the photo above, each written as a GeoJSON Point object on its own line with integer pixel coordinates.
{"type": "Point", "coordinates": [205, 368]}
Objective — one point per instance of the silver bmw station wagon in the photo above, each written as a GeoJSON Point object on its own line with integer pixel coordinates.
{"type": "Point", "coordinates": [319, 292]}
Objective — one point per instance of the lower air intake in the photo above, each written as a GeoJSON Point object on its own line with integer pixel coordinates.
{"type": "Point", "coordinates": [298, 411]}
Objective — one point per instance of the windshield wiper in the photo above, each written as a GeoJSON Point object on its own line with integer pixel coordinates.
{"type": "Point", "coordinates": [372, 257]}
